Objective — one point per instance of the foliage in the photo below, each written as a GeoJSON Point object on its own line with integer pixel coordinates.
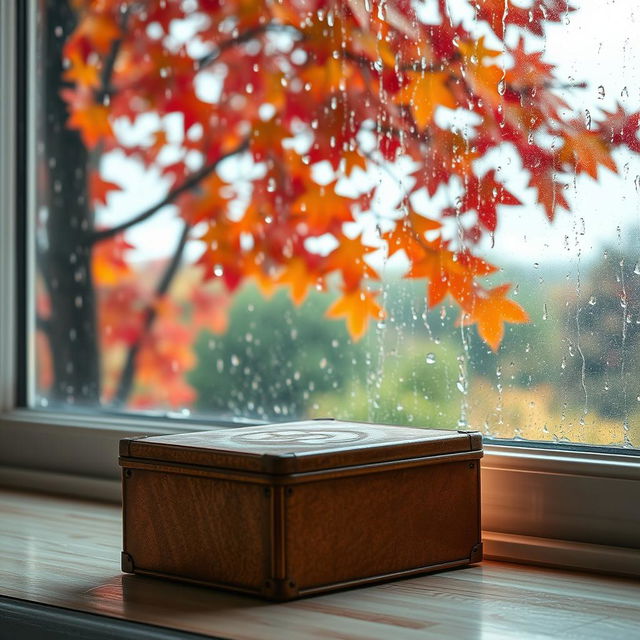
{"type": "Point", "coordinates": [273, 351]}
{"type": "Point", "coordinates": [292, 85]}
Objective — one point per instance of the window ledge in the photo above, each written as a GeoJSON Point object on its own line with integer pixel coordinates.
{"type": "Point", "coordinates": [584, 498]}
{"type": "Point", "coordinates": [65, 553]}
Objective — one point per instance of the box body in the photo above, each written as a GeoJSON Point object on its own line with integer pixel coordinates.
{"type": "Point", "coordinates": [284, 511]}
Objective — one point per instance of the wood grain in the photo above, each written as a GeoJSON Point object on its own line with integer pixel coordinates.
{"type": "Point", "coordinates": [66, 552]}
{"type": "Point", "coordinates": [291, 509]}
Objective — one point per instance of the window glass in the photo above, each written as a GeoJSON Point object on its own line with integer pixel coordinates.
{"type": "Point", "coordinates": [419, 213]}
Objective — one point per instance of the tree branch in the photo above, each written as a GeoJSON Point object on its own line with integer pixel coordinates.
{"type": "Point", "coordinates": [128, 371]}
{"type": "Point", "coordinates": [192, 181]}
{"type": "Point", "coordinates": [107, 70]}
{"type": "Point", "coordinates": [246, 36]}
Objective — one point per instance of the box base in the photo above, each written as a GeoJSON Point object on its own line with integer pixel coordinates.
{"type": "Point", "coordinates": [282, 590]}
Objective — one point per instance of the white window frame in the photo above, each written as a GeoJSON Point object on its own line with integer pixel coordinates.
{"type": "Point", "coordinates": [575, 508]}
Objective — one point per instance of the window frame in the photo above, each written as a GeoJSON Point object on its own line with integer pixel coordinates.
{"type": "Point", "coordinates": [544, 505]}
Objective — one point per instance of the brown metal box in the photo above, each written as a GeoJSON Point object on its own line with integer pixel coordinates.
{"type": "Point", "coordinates": [287, 510]}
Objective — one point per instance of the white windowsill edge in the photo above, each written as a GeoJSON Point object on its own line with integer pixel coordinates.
{"type": "Point", "coordinates": [548, 552]}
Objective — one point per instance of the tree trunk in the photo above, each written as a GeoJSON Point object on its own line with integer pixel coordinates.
{"type": "Point", "coordinates": [65, 259]}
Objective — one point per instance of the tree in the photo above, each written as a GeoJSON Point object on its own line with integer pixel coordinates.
{"type": "Point", "coordinates": [347, 84]}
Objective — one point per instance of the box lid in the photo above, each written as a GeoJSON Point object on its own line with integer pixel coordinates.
{"type": "Point", "coordinates": [300, 446]}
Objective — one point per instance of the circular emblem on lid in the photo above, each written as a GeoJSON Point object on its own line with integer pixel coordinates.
{"type": "Point", "coordinates": [300, 437]}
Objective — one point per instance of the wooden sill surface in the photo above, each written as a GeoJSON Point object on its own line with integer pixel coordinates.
{"type": "Point", "coordinates": [66, 552]}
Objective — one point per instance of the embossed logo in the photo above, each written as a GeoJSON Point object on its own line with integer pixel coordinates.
{"type": "Point", "coordinates": [279, 437]}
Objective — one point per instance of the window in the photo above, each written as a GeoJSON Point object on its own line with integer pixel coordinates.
{"type": "Point", "coordinates": [128, 134]}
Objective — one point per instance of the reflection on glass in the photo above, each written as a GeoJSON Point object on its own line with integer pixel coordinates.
{"type": "Point", "coordinates": [420, 213]}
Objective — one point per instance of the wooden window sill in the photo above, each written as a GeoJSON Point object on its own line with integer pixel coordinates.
{"type": "Point", "coordinates": [65, 552]}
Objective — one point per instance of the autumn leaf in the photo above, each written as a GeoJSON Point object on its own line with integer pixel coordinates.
{"type": "Point", "coordinates": [99, 29]}
{"type": "Point", "coordinates": [349, 259]}
{"type": "Point", "coordinates": [99, 188]}
{"type": "Point", "coordinates": [621, 128]}
{"type": "Point", "coordinates": [109, 261]}
{"type": "Point", "coordinates": [208, 203]}
{"type": "Point", "coordinates": [550, 192]}
{"type": "Point", "coordinates": [490, 310]}
{"type": "Point", "coordinates": [83, 72]}
{"type": "Point", "coordinates": [90, 118]}
{"type": "Point", "coordinates": [583, 151]}
{"type": "Point", "coordinates": [484, 195]}
{"type": "Point", "coordinates": [448, 272]}
{"type": "Point", "coordinates": [321, 208]}
{"type": "Point", "coordinates": [358, 308]}
{"type": "Point", "coordinates": [299, 277]}
{"type": "Point", "coordinates": [424, 94]}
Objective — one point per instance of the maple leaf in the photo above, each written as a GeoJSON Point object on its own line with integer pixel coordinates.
{"type": "Point", "coordinates": [529, 69]}
{"type": "Point", "coordinates": [82, 72]}
{"type": "Point", "coordinates": [501, 13]}
{"type": "Point", "coordinates": [100, 30]}
{"type": "Point", "coordinates": [99, 188]}
{"type": "Point", "coordinates": [358, 307]}
{"type": "Point", "coordinates": [108, 260]}
{"type": "Point", "coordinates": [584, 150]}
{"type": "Point", "coordinates": [89, 117]}
{"type": "Point", "coordinates": [621, 128]}
{"type": "Point", "coordinates": [448, 272]}
{"type": "Point", "coordinates": [484, 79]}
{"type": "Point", "coordinates": [424, 94]}
{"type": "Point", "coordinates": [321, 208]}
{"type": "Point", "coordinates": [300, 277]}
{"type": "Point", "coordinates": [349, 258]}
{"type": "Point", "coordinates": [210, 201]}
{"type": "Point", "coordinates": [490, 310]}
{"type": "Point", "coordinates": [484, 195]}
{"type": "Point", "coordinates": [550, 192]}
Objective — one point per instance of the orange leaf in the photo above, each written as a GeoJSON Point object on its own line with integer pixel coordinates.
{"type": "Point", "coordinates": [108, 261]}
{"type": "Point", "coordinates": [89, 117]}
{"type": "Point", "coordinates": [358, 307]}
{"type": "Point", "coordinates": [100, 29]}
{"type": "Point", "coordinates": [299, 277]}
{"type": "Point", "coordinates": [81, 73]}
{"type": "Point", "coordinates": [584, 151]}
{"type": "Point", "coordinates": [425, 92]}
{"type": "Point", "coordinates": [490, 310]}
{"type": "Point", "coordinates": [209, 203]}
{"type": "Point", "coordinates": [321, 208]}
{"type": "Point", "coordinates": [348, 258]}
